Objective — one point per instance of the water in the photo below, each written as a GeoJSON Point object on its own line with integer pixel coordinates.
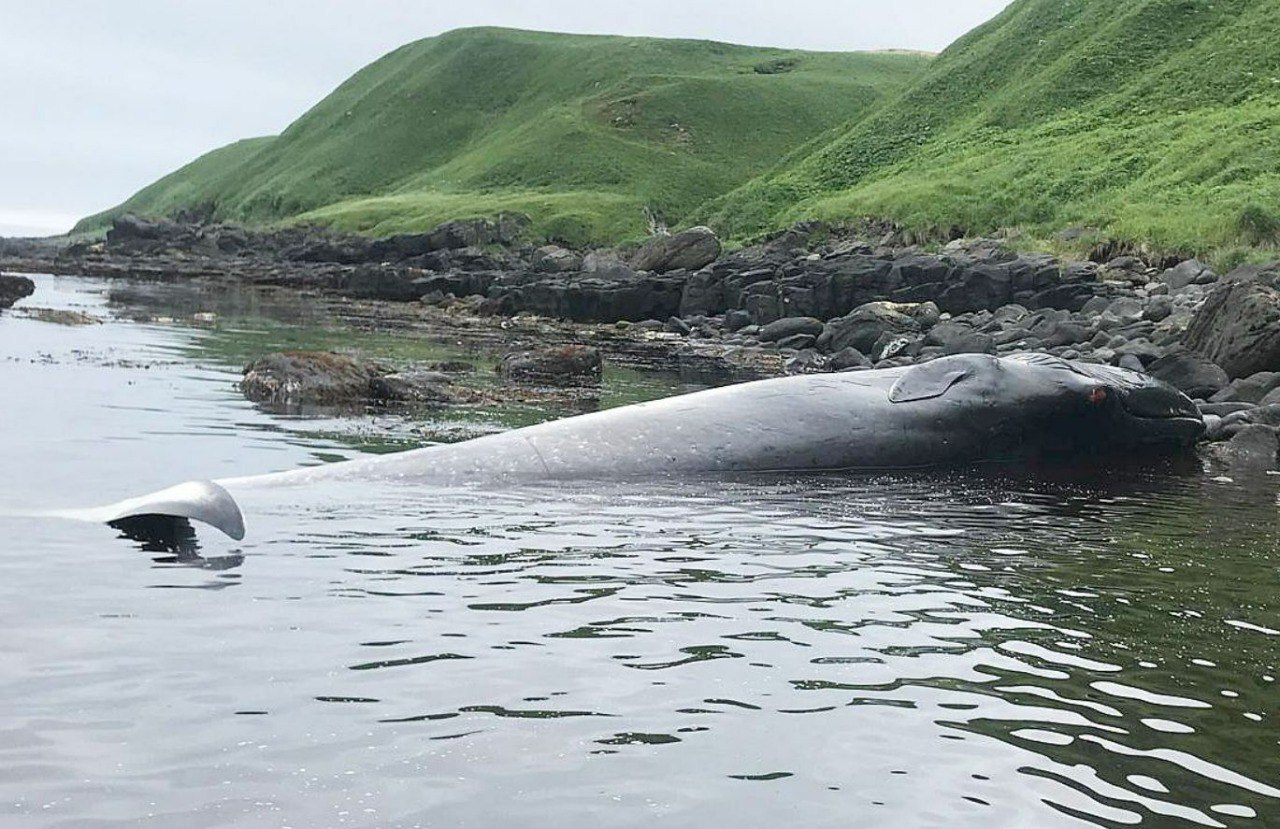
{"type": "Point", "coordinates": [991, 649]}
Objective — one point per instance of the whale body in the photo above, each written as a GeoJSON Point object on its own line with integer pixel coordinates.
{"type": "Point", "coordinates": [952, 410]}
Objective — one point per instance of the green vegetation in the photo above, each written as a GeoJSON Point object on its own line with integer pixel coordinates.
{"type": "Point", "coordinates": [1151, 120]}
{"type": "Point", "coordinates": [588, 135]}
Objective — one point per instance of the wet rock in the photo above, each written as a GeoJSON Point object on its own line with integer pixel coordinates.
{"type": "Point", "coordinates": [1224, 409]}
{"type": "Point", "coordinates": [865, 326]}
{"type": "Point", "coordinates": [1253, 449]}
{"type": "Point", "coordinates": [60, 316]}
{"type": "Point", "coordinates": [797, 341]}
{"type": "Point", "coordinates": [14, 288]}
{"type": "Point", "coordinates": [377, 282]}
{"type": "Point", "coordinates": [555, 259]}
{"type": "Point", "coordinates": [1238, 327]}
{"type": "Point", "coordinates": [957, 338]}
{"type": "Point", "coordinates": [790, 327]}
{"type": "Point", "coordinates": [1249, 389]}
{"type": "Point", "coordinates": [1191, 374]}
{"type": "Point", "coordinates": [736, 320]}
{"type": "Point", "coordinates": [308, 377]}
{"type": "Point", "coordinates": [571, 365]}
{"type": "Point", "coordinates": [675, 325]}
{"type": "Point", "coordinates": [1142, 350]}
{"type": "Point", "coordinates": [848, 358]}
{"type": "Point", "coordinates": [421, 387]}
{"type": "Point", "coordinates": [690, 250]}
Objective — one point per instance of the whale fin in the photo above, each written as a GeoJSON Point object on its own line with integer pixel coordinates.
{"type": "Point", "coordinates": [161, 512]}
{"type": "Point", "coordinates": [925, 382]}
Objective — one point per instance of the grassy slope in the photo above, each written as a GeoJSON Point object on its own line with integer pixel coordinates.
{"type": "Point", "coordinates": [584, 133]}
{"type": "Point", "coordinates": [1154, 120]}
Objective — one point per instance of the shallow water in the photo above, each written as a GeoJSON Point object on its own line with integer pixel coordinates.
{"type": "Point", "coordinates": [998, 648]}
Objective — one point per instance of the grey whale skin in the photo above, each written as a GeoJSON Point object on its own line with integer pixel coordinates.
{"type": "Point", "coordinates": [953, 410]}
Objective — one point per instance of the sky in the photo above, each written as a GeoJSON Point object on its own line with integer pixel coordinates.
{"type": "Point", "coordinates": [101, 99]}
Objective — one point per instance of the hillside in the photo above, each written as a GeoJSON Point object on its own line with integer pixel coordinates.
{"type": "Point", "coordinates": [587, 134]}
{"type": "Point", "coordinates": [1150, 120]}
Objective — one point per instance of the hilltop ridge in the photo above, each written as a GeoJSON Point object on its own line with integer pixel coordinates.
{"type": "Point", "coordinates": [1151, 120]}
{"type": "Point", "coordinates": [593, 136]}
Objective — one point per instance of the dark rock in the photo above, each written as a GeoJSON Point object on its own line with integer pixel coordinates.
{"type": "Point", "coordinates": [790, 327]}
{"type": "Point", "coordinates": [956, 338]}
{"type": "Point", "coordinates": [734, 320]}
{"type": "Point", "coordinates": [675, 325]}
{"type": "Point", "coordinates": [1249, 389]}
{"type": "Point", "coordinates": [1186, 273]}
{"type": "Point", "coordinates": [555, 259]}
{"type": "Point", "coordinates": [571, 365]}
{"type": "Point", "coordinates": [1238, 327]}
{"type": "Point", "coordinates": [584, 298]}
{"type": "Point", "coordinates": [862, 328]}
{"type": "Point", "coordinates": [1191, 374]}
{"type": "Point", "coordinates": [386, 283]}
{"type": "Point", "coordinates": [1253, 449]}
{"type": "Point", "coordinates": [308, 377]}
{"type": "Point", "coordinates": [1224, 409]}
{"type": "Point", "coordinates": [976, 288]}
{"type": "Point", "coordinates": [422, 387]}
{"type": "Point", "coordinates": [14, 288]}
{"type": "Point", "coordinates": [1068, 296]}
{"type": "Point", "coordinates": [1142, 350]}
{"type": "Point", "coordinates": [690, 250]}
{"type": "Point", "coordinates": [1130, 362]}
{"type": "Point", "coordinates": [797, 342]}
{"type": "Point", "coordinates": [846, 359]}
{"type": "Point", "coordinates": [807, 361]}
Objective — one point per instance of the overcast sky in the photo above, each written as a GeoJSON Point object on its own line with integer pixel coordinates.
{"type": "Point", "coordinates": [100, 99]}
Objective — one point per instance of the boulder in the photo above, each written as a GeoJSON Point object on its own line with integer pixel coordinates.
{"type": "Point", "coordinates": [555, 259]}
{"type": "Point", "coordinates": [790, 327]}
{"type": "Point", "coordinates": [957, 338]}
{"type": "Point", "coordinates": [14, 288]}
{"type": "Point", "coordinates": [1238, 327]}
{"type": "Point", "coordinates": [690, 250]}
{"type": "Point", "coordinates": [1249, 389]}
{"type": "Point", "coordinates": [570, 365]}
{"type": "Point", "coordinates": [1190, 374]}
{"type": "Point", "coordinates": [428, 387]}
{"type": "Point", "coordinates": [1190, 272]}
{"type": "Point", "coordinates": [1253, 449]}
{"type": "Point", "coordinates": [865, 326]}
{"type": "Point", "coordinates": [308, 377]}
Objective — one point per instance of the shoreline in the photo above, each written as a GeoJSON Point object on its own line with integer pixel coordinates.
{"type": "Point", "coordinates": [803, 301]}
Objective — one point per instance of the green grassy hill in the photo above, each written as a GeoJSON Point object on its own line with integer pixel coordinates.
{"type": "Point", "coordinates": [1151, 120]}
{"type": "Point", "coordinates": [583, 133]}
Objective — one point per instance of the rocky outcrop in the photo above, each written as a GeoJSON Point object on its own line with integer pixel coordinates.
{"type": "Point", "coordinates": [314, 378]}
{"type": "Point", "coordinates": [687, 250]}
{"type": "Point", "coordinates": [571, 365]}
{"type": "Point", "coordinates": [1238, 328]}
{"type": "Point", "coordinates": [14, 288]}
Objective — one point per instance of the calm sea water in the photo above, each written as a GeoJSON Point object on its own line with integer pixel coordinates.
{"type": "Point", "coordinates": [1000, 648]}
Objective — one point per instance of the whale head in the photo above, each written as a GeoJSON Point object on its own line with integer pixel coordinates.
{"type": "Point", "coordinates": [1041, 402]}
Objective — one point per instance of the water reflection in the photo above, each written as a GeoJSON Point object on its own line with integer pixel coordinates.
{"type": "Point", "coordinates": [1049, 647]}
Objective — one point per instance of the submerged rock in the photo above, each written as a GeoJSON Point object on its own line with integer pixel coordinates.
{"type": "Point", "coordinates": [301, 377]}
{"type": "Point", "coordinates": [570, 365]}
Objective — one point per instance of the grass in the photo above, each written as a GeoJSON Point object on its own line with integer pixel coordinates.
{"type": "Point", "coordinates": [1155, 121]}
{"type": "Point", "coordinates": [588, 135]}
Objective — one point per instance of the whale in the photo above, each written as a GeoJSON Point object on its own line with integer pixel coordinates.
{"type": "Point", "coordinates": [953, 410]}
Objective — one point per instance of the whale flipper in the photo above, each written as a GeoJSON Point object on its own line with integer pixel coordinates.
{"type": "Point", "coordinates": [167, 511]}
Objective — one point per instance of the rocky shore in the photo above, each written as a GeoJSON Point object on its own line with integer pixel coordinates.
{"type": "Point", "coordinates": [807, 300]}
